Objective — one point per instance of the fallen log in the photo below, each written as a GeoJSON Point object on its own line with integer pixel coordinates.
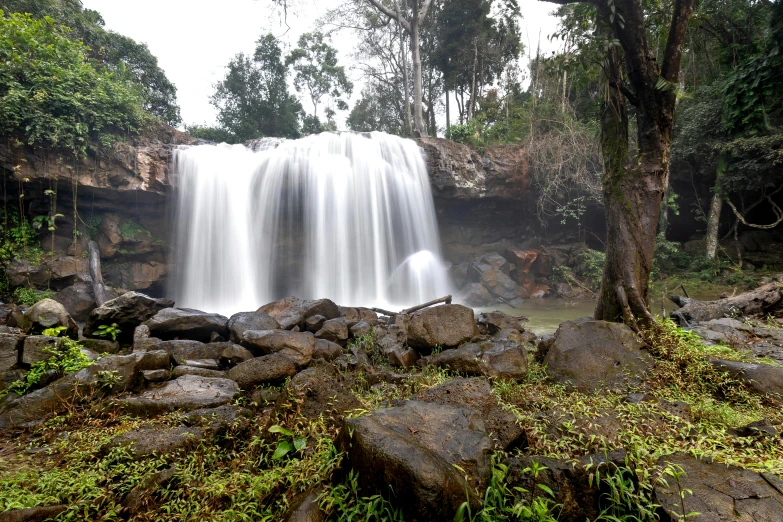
{"type": "Point", "coordinates": [759, 303]}
{"type": "Point", "coordinates": [446, 300]}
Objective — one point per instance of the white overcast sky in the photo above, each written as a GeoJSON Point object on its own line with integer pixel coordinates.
{"type": "Point", "coordinates": [194, 40]}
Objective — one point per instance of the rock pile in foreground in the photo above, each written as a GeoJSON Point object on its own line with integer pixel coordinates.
{"type": "Point", "coordinates": [431, 450]}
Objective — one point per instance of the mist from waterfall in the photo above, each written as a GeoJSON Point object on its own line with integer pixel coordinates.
{"type": "Point", "coordinates": [345, 216]}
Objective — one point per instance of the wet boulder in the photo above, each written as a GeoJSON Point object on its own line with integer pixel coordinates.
{"type": "Point", "coordinates": [296, 345]}
{"type": "Point", "coordinates": [443, 326]}
{"type": "Point", "coordinates": [763, 378]}
{"type": "Point", "coordinates": [494, 280]}
{"type": "Point", "coordinates": [476, 394]}
{"type": "Point", "coordinates": [234, 354]}
{"type": "Point", "coordinates": [412, 451]}
{"type": "Point", "coordinates": [474, 294]}
{"type": "Point", "coordinates": [292, 311]}
{"type": "Point", "coordinates": [38, 348]}
{"type": "Point", "coordinates": [719, 492]}
{"type": "Point", "coordinates": [77, 300]}
{"type": "Point", "coordinates": [45, 314]}
{"type": "Point", "coordinates": [393, 345]}
{"type": "Point", "coordinates": [571, 481]}
{"type": "Point", "coordinates": [239, 323]}
{"type": "Point", "coordinates": [326, 350]}
{"type": "Point", "coordinates": [490, 323]}
{"type": "Point", "coordinates": [305, 507]}
{"type": "Point", "coordinates": [128, 311]}
{"type": "Point", "coordinates": [185, 323]}
{"type": "Point", "coordinates": [272, 368]}
{"type": "Point", "coordinates": [334, 330]}
{"type": "Point", "coordinates": [353, 315]}
{"type": "Point", "coordinates": [593, 355]}
{"type": "Point", "coordinates": [10, 349]}
{"type": "Point", "coordinates": [183, 351]}
{"type": "Point", "coordinates": [185, 393]}
{"type": "Point", "coordinates": [319, 391]}
{"type": "Point", "coordinates": [491, 358]}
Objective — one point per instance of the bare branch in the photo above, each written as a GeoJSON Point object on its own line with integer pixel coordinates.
{"type": "Point", "coordinates": [391, 14]}
{"type": "Point", "coordinates": [775, 209]}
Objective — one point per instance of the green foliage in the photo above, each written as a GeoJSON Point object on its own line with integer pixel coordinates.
{"type": "Point", "coordinates": [289, 444]}
{"type": "Point", "coordinates": [210, 133]}
{"type": "Point", "coordinates": [19, 242]}
{"type": "Point", "coordinates": [51, 93]}
{"type": "Point", "coordinates": [253, 100]}
{"type": "Point", "coordinates": [108, 330]}
{"type": "Point", "coordinates": [377, 110]}
{"type": "Point", "coordinates": [30, 296]}
{"type": "Point", "coordinates": [65, 357]}
{"type": "Point", "coordinates": [131, 230]}
{"type": "Point", "coordinates": [344, 503]}
{"type": "Point", "coordinates": [115, 52]}
{"type": "Point", "coordinates": [92, 223]}
{"type": "Point", "coordinates": [54, 332]}
{"type": "Point", "coordinates": [317, 72]}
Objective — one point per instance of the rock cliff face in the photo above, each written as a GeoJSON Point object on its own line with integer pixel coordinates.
{"type": "Point", "coordinates": [120, 198]}
{"type": "Point", "coordinates": [117, 196]}
{"type": "Point", "coordinates": [483, 199]}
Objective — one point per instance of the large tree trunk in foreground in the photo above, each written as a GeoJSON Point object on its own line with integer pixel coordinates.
{"type": "Point", "coordinates": [633, 190]}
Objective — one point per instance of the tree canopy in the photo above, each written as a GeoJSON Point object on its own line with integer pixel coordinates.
{"type": "Point", "coordinates": [52, 93]}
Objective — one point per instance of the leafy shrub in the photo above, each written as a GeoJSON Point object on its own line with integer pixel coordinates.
{"type": "Point", "coordinates": [52, 93]}
{"type": "Point", "coordinates": [108, 330]}
{"type": "Point", "coordinates": [30, 296]}
{"type": "Point", "coordinates": [66, 357]}
{"type": "Point", "coordinates": [131, 229]}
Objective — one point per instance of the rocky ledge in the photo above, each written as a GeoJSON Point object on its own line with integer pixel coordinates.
{"type": "Point", "coordinates": [437, 412]}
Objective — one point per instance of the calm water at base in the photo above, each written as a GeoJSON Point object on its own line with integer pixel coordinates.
{"type": "Point", "coordinates": [545, 315]}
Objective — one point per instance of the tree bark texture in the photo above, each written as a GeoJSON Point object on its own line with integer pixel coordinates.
{"type": "Point", "coordinates": [633, 190]}
{"type": "Point", "coordinates": [713, 224]}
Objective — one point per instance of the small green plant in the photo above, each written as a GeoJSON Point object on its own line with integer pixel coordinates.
{"type": "Point", "coordinates": [131, 229]}
{"type": "Point", "coordinates": [108, 330]}
{"type": "Point", "coordinates": [30, 296]}
{"type": "Point", "coordinates": [54, 332]}
{"type": "Point", "coordinates": [287, 445]}
{"type": "Point", "coordinates": [344, 503]}
{"type": "Point", "coordinates": [108, 378]}
{"type": "Point", "coordinates": [65, 357]}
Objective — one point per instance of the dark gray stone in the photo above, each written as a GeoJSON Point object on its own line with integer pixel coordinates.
{"type": "Point", "coordinates": [188, 392]}
{"type": "Point", "coordinates": [77, 300]}
{"type": "Point", "coordinates": [45, 314]}
{"type": "Point", "coordinates": [334, 330]}
{"type": "Point", "coordinates": [182, 323]}
{"type": "Point", "coordinates": [292, 311]}
{"type": "Point", "coordinates": [147, 441]}
{"type": "Point", "coordinates": [719, 492]}
{"type": "Point", "coordinates": [412, 450]}
{"type": "Point", "coordinates": [10, 350]}
{"type": "Point", "coordinates": [270, 368]}
{"type": "Point", "coordinates": [504, 359]}
{"type": "Point", "coordinates": [239, 323]}
{"type": "Point", "coordinates": [594, 355]}
{"type": "Point", "coordinates": [326, 350]}
{"type": "Point", "coordinates": [446, 326]}
{"type": "Point", "coordinates": [763, 378]}
{"type": "Point", "coordinates": [296, 345]}
{"type": "Point", "coordinates": [128, 311]}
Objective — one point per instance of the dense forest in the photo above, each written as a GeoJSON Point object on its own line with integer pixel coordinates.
{"type": "Point", "coordinates": [559, 197]}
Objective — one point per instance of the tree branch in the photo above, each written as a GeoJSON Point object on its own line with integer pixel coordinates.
{"type": "Point", "coordinates": [775, 209]}
{"type": "Point", "coordinates": [391, 14]}
{"type": "Point", "coordinates": [674, 43]}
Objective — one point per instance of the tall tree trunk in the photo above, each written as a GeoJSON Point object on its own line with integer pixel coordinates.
{"type": "Point", "coordinates": [633, 190]}
{"type": "Point", "coordinates": [404, 62]}
{"type": "Point", "coordinates": [448, 116]}
{"type": "Point", "coordinates": [716, 205]}
{"type": "Point", "coordinates": [472, 101]}
{"type": "Point", "coordinates": [713, 224]}
{"type": "Point", "coordinates": [418, 119]}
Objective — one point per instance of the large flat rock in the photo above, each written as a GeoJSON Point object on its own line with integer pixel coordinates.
{"type": "Point", "coordinates": [189, 392]}
{"type": "Point", "coordinates": [412, 451]}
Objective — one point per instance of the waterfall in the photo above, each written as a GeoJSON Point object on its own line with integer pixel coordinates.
{"type": "Point", "coordinates": [345, 216]}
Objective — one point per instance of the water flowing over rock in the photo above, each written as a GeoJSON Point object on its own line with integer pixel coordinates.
{"type": "Point", "coordinates": [344, 216]}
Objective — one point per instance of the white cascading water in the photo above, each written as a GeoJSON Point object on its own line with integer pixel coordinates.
{"type": "Point", "coordinates": [345, 216]}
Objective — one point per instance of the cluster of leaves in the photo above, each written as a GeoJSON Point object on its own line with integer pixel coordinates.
{"type": "Point", "coordinates": [108, 330]}
{"type": "Point", "coordinates": [30, 296]}
{"type": "Point", "coordinates": [130, 230]}
{"type": "Point", "coordinates": [113, 51]}
{"type": "Point", "coordinates": [52, 93]}
{"type": "Point", "coordinates": [65, 357]}
{"type": "Point", "coordinates": [20, 241]}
